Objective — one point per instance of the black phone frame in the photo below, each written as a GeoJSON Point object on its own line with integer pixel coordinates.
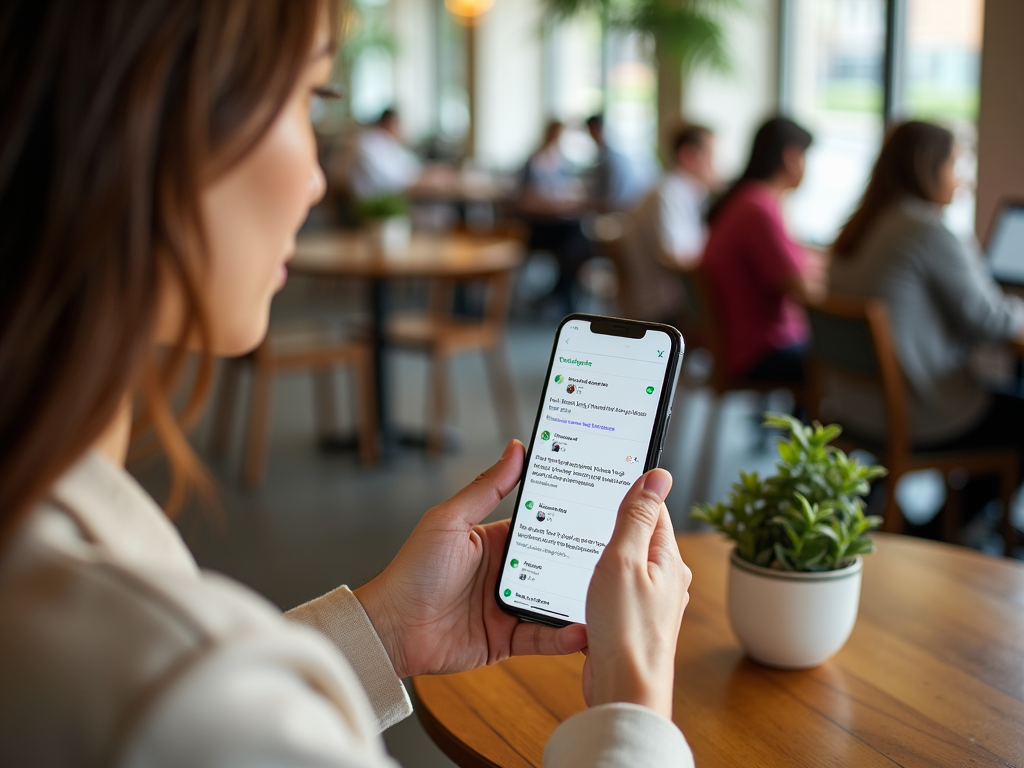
{"type": "Point", "coordinates": [611, 326]}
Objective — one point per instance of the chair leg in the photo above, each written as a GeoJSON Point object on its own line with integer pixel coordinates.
{"type": "Point", "coordinates": [706, 460]}
{"type": "Point", "coordinates": [1008, 481]}
{"type": "Point", "coordinates": [325, 412]}
{"type": "Point", "coordinates": [892, 517]}
{"type": "Point", "coordinates": [503, 393]}
{"type": "Point", "coordinates": [224, 411]}
{"type": "Point", "coordinates": [366, 407]}
{"type": "Point", "coordinates": [255, 460]}
{"type": "Point", "coordinates": [439, 401]}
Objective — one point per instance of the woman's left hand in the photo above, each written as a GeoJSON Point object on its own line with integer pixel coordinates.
{"type": "Point", "coordinates": [433, 606]}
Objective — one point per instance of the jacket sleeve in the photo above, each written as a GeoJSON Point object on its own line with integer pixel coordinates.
{"type": "Point", "coordinates": [972, 301]}
{"type": "Point", "coordinates": [617, 736]}
{"type": "Point", "coordinates": [340, 617]}
{"type": "Point", "coordinates": [271, 698]}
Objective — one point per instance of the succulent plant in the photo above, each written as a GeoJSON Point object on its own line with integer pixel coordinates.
{"type": "Point", "coordinates": [809, 516]}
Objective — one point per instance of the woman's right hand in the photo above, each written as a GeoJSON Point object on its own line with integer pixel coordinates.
{"type": "Point", "coordinates": [635, 603]}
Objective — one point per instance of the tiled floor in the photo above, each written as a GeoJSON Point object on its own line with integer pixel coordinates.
{"type": "Point", "coordinates": [321, 519]}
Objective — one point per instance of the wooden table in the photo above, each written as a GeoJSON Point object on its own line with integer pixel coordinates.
{"type": "Point", "coordinates": [348, 254]}
{"type": "Point", "coordinates": [932, 675]}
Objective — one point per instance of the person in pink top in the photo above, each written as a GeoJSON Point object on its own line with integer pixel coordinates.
{"type": "Point", "coordinates": [758, 275]}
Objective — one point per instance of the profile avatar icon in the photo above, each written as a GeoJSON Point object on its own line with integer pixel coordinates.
{"type": "Point", "coordinates": [571, 388]}
{"type": "Point", "coordinates": [559, 378]}
{"type": "Point", "coordinates": [507, 593]}
{"type": "Point", "coordinates": [545, 435]}
{"type": "Point", "coordinates": [514, 563]}
{"type": "Point", "coordinates": [556, 447]}
{"type": "Point", "coordinates": [522, 577]}
{"type": "Point", "coordinates": [541, 516]}
{"type": "Point", "coordinates": [528, 505]}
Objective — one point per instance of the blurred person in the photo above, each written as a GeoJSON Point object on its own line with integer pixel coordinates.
{"type": "Point", "coordinates": [617, 181]}
{"type": "Point", "coordinates": [668, 228]}
{"type": "Point", "coordinates": [157, 163]}
{"type": "Point", "coordinates": [380, 163]}
{"type": "Point", "coordinates": [758, 274]}
{"type": "Point", "coordinates": [940, 298]}
{"type": "Point", "coordinates": [553, 201]}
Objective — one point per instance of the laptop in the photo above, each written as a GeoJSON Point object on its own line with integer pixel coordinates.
{"type": "Point", "coordinates": [1006, 245]}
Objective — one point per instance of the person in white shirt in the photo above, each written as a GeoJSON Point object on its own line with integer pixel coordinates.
{"type": "Point", "coordinates": [668, 227]}
{"type": "Point", "coordinates": [158, 161]}
{"type": "Point", "coordinates": [381, 164]}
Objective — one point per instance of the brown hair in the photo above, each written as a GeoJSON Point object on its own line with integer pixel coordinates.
{"type": "Point", "coordinates": [908, 166]}
{"type": "Point", "coordinates": [117, 114]}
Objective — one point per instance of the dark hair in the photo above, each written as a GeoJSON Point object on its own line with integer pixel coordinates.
{"type": "Point", "coordinates": [908, 166]}
{"type": "Point", "coordinates": [691, 135]}
{"type": "Point", "coordinates": [552, 130]}
{"type": "Point", "coordinates": [767, 155]}
{"type": "Point", "coordinates": [117, 114]}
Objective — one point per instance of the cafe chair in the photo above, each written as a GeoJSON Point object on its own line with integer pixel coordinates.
{"type": "Point", "coordinates": [701, 327]}
{"type": "Point", "coordinates": [851, 340]}
{"type": "Point", "coordinates": [313, 347]}
{"type": "Point", "coordinates": [444, 335]}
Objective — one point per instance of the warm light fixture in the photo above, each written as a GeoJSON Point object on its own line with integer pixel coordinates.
{"type": "Point", "coordinates": [468, 9]}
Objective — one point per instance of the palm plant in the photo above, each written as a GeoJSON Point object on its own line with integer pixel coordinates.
{"type": "Point", "coordinates": [688, 33]}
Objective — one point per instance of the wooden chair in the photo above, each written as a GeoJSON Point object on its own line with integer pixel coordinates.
{"type": "Point", "coordinates": [443, 336]}
{"type": "Point", "coordinates": [851, 341]}
{"type": "Point", "coordinates": [296, 347]}
{"type": "Point", "coordinates": [702, 328]}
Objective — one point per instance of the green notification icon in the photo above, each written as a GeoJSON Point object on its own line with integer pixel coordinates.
{"type": "Point", "coordinates": [514, 563]}
{"type": "Point", "coordinates": [559, 379]}
{"type": "Point", "coordinates": [508, 593]}
{"type": "Point", "coordinates": [528, 505]}
{"type": "Point", "coordinates": [650, 390]}
{"type": "Point", "coordinates": [545, 435]}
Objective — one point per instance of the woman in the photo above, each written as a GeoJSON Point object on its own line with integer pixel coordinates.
{"type": "Point", "coordinates": [940, 299]}
{"type": "Point", "coordinates": [156, 161]}
{"type": "Point", "coordinates": [758, 275]}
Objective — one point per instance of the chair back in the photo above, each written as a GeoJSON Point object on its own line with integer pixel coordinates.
{"type": "Point", "coordinates": [703, 322]}
{"type": "Point", "coordinates": [851, 340]}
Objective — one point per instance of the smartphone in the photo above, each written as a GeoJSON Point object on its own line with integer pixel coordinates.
{"type": "Point", "coordinates": [601, 424]}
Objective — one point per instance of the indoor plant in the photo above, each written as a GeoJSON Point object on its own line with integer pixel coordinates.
{"type": "Point", "coordinates": [387, 221]}
{"type": "Point", "coordinates": [794, 575]}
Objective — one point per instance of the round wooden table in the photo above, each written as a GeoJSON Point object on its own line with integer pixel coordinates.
{"type": "Point", "coordinates": [347, 254]}
{"type": "Point", "coordinates": [932, 675]}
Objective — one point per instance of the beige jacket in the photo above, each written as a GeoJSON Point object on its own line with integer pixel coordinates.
{"type": "Point", "coordinates": [116, 650]}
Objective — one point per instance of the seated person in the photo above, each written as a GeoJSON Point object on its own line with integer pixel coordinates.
{"type": "Point", "coordinates": [940, 299]}
{"type": "Point", "coordinates": [758, 275]}
{"type": "Point", "coordinates": [553, 200]}
{"type": "Point", "coordinates": [617, 180]}
{"type": "Point", "coordinates": [668, 227]}
{"type": "Point", "coordinates": [380, 164]}
{"type": "Point", "coordinates": [115, 647]}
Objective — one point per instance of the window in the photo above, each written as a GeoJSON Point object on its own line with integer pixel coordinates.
{"type": "Point", "coordinates": [835, 79]}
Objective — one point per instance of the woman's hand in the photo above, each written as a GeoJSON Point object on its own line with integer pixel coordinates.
{"type": "Point", "coordinates": [433, 606]}
{"type": "Point", "coordinates": [635, 603]}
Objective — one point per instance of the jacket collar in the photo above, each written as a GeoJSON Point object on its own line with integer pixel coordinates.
{"type": "Point", "coordinates": [116, 514]}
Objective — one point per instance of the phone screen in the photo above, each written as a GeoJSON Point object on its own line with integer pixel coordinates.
{"type": "Point", "coordinates": [602, 417]}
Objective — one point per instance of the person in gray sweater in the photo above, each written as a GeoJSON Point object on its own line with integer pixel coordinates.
{"type": "Point", "coordinates": [940, 298]}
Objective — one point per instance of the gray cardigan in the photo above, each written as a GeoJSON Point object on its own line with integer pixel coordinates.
{"type": "Point", "coordinates": [941, 301]}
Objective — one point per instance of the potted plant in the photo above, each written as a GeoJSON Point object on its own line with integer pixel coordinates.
{"type": "Point", "coordinates": [795, 572]}
{"type": "Point", "coordinates": [388, 224]}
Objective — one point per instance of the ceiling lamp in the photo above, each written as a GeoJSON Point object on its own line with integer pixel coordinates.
{"type": "Point", "coordinates": [468, 10]}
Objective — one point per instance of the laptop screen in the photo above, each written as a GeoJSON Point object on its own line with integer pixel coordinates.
{"type": "Point", "coordinates": [1006, 246]}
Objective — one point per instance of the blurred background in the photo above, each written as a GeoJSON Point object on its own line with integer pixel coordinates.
{"type": "Point", "coordinates": [473, 206]}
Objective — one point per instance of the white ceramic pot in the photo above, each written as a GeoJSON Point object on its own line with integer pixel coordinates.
{"type": "Point", "coordinates": [390, 237]}
{"type": "Point", "coordinates": [792, 620]}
